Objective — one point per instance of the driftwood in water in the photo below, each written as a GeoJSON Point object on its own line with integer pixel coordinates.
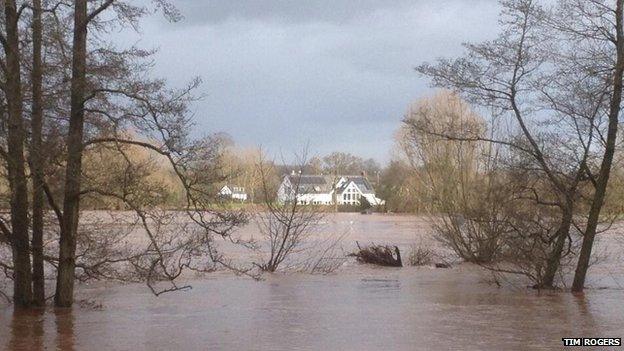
{"type": "Point", "coordinates": [379, 254]}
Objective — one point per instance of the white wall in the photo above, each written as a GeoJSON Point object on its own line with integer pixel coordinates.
{"type": "Point", "coordinates": [315, 199]}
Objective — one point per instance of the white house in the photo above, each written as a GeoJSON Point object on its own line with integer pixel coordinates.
{"type": "Point", "coordinates": [320, 190]}
{"type": "Point", "coordinates": [233, 192]}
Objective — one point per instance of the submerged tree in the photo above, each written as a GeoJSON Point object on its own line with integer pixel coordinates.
{"type": "Point", "coordinates": [36, 153]}
{"type": "Point", "coordinates": [285, 226]}
{"type": "Point", "coordinates": [114, 100]}
{"type": "Point", "coordinates": [104, 104]}
{"type": "Point", "coordinates": [612, 33]}
{"type": "Point", "coordinates": [17, 232]}
{"type": "Point", "coordinates": [458, 179]}
{"type": "Point", "coordinates": [553, 78]}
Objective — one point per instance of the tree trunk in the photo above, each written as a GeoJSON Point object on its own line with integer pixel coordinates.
{"type": "Point", "coordinates": [607, 159]}
{"type": "Point", "coordinates": [71, 201]}
{"type": "Point", "coordinates": [554, 260]}
{"type": "Point", "coordinates": [22, 279]}
{"type": "Point", "coordinates": [36, 159]}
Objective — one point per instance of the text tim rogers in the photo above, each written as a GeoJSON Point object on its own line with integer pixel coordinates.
{"type": "Point", "coordinates": [592, 341]}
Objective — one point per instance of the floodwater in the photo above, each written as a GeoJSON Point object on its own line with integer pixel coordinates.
{"type": "Point", "coordinates": [355, 308]}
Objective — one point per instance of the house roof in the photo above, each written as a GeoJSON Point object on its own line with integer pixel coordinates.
{"type": "Point", "coordinates": [323, 183]}
{"type": "Point", "coordinates": [312, 183]}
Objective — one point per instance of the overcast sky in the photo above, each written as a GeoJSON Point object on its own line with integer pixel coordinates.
{"type": "Point", "coordinates": [335, 73]}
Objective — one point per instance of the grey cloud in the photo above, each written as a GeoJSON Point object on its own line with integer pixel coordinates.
{"type": "Point", "coordinates": [288, 11]}
{"type": "Point", "coordinates": [283, 73]}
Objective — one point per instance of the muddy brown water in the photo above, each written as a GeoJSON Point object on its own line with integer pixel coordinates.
{"type": "Point", "coordinates": [356, 308]}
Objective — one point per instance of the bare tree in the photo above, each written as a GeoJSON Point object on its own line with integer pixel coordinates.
{"type": "Point", "coordinates": [71, 200]}
{"type": "Point", "coordinates": [285, 226]}
{"type": "Point", "coordinates": [459, 180]}
{"type": "Point", "coordinates": [110, 96]}
{"type": "Point", "coordinates": [551, 82]}
{"type": "Point", "coordinates": [18, 230]}
{"type": "Point", "coordinates": [113, 107]}
{"type": "Point", "coordinates": [615, 103]}
{"type": "Point", "coordinates": [36, 159]}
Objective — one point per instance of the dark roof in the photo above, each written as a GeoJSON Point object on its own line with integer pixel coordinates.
{"type": "Point", "coordinates": [311, 183]}
{"type": "Point", "coordinates": [323, 183]}
{"type": "Point", "coordinates": [310, 179]}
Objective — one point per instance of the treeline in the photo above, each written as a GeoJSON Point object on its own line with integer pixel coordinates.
{"type": "Point", "coordinates": [243, 168]}
{"type": "Point", "coordinates": [235, 166]}
{"type": "Point", "coordinates": [424, 165]}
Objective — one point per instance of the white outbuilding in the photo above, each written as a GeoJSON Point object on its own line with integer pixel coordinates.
{"type": "Point", "coordinates": [233, 192]}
